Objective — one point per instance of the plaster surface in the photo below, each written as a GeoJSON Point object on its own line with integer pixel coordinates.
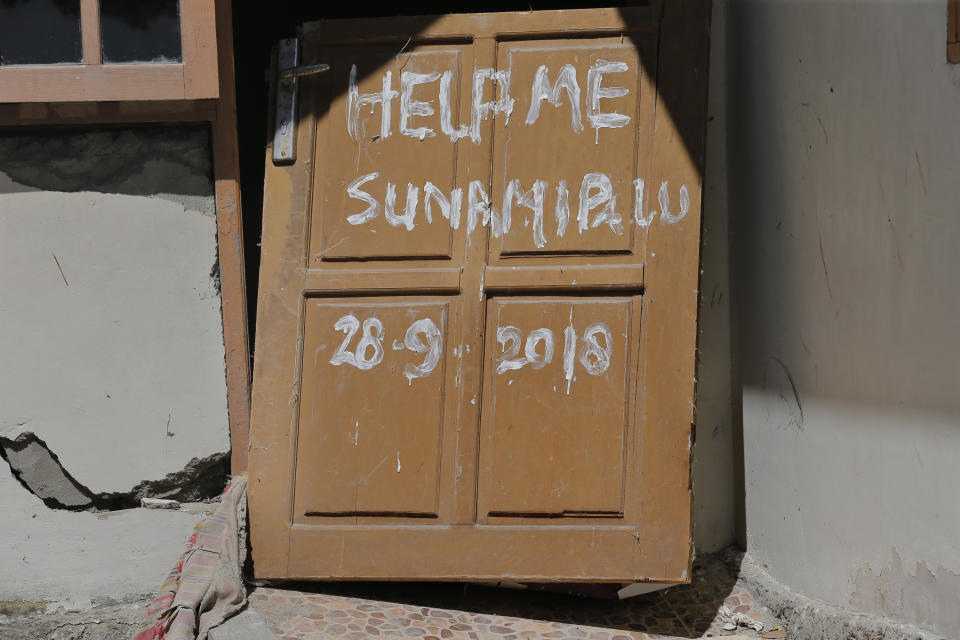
{"type": "Point", "coordinates": [112, 349]}
{"type": "Point", "coordinates": [72, 560]}
{"type": "Point", "coordinates": [112, 336]}
{"type": "Point", "coordinates": [714, 492]}
{"type": "Point", "coordinates": [843, 141]}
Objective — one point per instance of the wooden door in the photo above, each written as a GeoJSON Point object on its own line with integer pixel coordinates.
{"type": "Point", "coordinates": [477, 313]}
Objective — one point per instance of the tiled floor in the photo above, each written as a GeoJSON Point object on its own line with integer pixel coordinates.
{"type": "Point", "coordinates": [356, 611]}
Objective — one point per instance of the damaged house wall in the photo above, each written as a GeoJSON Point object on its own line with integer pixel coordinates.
{"type": "Point", "coordinates": [113, 381]}
{"type": "Point", "coordinates": [843, 132]}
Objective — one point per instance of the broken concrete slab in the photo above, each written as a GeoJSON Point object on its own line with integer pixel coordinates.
{"type": "Point", "coordinates": [105, 622]}
{"type": "Point", "coordinates": [39, 471]}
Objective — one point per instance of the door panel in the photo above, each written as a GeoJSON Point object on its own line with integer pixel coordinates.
{"type": "Point", "coordinates": [469, 394]}
{"type": "Point", "coordinates": [558, 374]}
{"type": "Point", "coordinates": [375, 156]}
{"type": "Point", "coordinates": [577, 156]}
{"type": "Point", "coordinates": [372, 409]}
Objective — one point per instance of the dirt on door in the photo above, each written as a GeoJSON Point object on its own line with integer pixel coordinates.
{"type": "Point", "coordinates": [477, 312]}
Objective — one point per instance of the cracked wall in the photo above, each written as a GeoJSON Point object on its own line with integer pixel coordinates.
{"type": "Point", "coordinates": [843, 133]}
{"type": "Point", "coordinates": [39, 471]}
{"type": "Point", "coordinates": [113, 384]}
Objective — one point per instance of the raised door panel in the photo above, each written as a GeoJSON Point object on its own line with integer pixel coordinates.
{"type": "Point", "coordinates": [557, 399]}
{"type": "Point", "coordinates": [387, 169]}
{"type": "Point", "coordinates": [372, 410]}
{"type": "Point", "coordinates": [571, 161]}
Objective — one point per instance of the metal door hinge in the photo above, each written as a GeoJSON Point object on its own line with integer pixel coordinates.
{"type": "Point", "coordinates": [285, 123]}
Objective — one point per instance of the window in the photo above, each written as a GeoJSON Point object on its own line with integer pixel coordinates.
{"type": "Point", "coordinates": [107, 50]}
{"type": "Point", "coordinates": [143, 31]}
{"type": "Point", "coordinates": [39, 31]}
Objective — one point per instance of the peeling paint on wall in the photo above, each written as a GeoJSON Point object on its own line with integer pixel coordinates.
{"type": "Point", "coordinates": [925, 595]}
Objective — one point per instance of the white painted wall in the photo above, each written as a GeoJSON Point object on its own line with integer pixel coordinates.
{"type": "Point", "coordinates": [842, 152]}
{"type": "Point", "coordinates": [118, 363]}
{"type": "Point", "coordinates": [72, 560]}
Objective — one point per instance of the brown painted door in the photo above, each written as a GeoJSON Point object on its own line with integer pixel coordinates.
{"type": "Point", "coordinates": [477, 311]}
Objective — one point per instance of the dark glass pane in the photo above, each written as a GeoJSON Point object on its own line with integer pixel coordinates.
{"type": "Point", "coordinates": [39, 31]}
{"type": "Point", "coordinates": [140, 30]}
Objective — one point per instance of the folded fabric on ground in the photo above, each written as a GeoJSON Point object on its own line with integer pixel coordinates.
{"type": "Point", "coordinates": [205, 587]}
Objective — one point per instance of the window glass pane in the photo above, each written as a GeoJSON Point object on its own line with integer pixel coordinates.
{"type": "Point", "coordinates": [140, 30]}
{"type": "Point", "coordinates": [39, 31]}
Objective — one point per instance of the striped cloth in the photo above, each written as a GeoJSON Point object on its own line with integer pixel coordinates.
{"type": "Point", "coordinates": [205, 587]}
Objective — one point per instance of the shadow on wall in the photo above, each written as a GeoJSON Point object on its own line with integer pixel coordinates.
{"type": "Point", "coordinates": [843, 188]}
{"type": "Point", "coordinates": [844, 142]}
{"type": "Point", "coordinates": [110, 161]}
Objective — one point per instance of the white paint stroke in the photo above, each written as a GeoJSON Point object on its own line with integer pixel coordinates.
{"type": "Point", "coordinates": [595, 92]}
{"type": "Point", "coordinates": [410, 107]}
{"type": "Point", "coordinates": [348, 324]}
{"type": "Point", "coordinates": [373, 205]}
{"type": "Point", "coordinates": [368, 340]}
{"type": "Point", "coordinates": [508, 361]}
{"type": "Point", "coordinates": [569, 351]}
{"type": "Point", "coordinates": [534, 338]}
{"type": "Point", "coordinates": [410, 210]}
{"type": "Point", "coordinates": [638, 205]}
{"type": "Point", "coordinates": [603, 188]}
{"type": "Point", "coordinates": [532, 199]}
{"type": "Point", "coordinates": [664, 198]}
{"type": "Point", "coordinates": [446, 118]}
{"type": "Point", "coordinates": [594, 357]}
{"type": "Point", "coordinates": [433, 347]}
{"type": "Point", "coordinates": [562, 210]}
{"type": "Point", "coordinates": [480, 110]}
{"type": "Point", "coordinates": [357, 100]}
{"type": "Point", "coordinates": [449, 208]}
{"type": "Point", "coordinates": [542, 90]}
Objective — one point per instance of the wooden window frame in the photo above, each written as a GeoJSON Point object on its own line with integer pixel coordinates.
{"type": "Point", "coordinates": [220, 114]}
{"type": "Point", "coordinates": [953, 30]}
{"type": "Point", "coordinates": [194, 78]}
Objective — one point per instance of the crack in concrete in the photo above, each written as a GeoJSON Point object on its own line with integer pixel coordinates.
{"type": "Point", "coordinates": [39, 471]}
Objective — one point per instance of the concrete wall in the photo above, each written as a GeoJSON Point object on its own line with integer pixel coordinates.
{"type": "Point", "coordinates": [714, 454]}
{"type": "Point", "coordinates": [842, 153]}
{"type": "Point", "coordinates": [112, 354]}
